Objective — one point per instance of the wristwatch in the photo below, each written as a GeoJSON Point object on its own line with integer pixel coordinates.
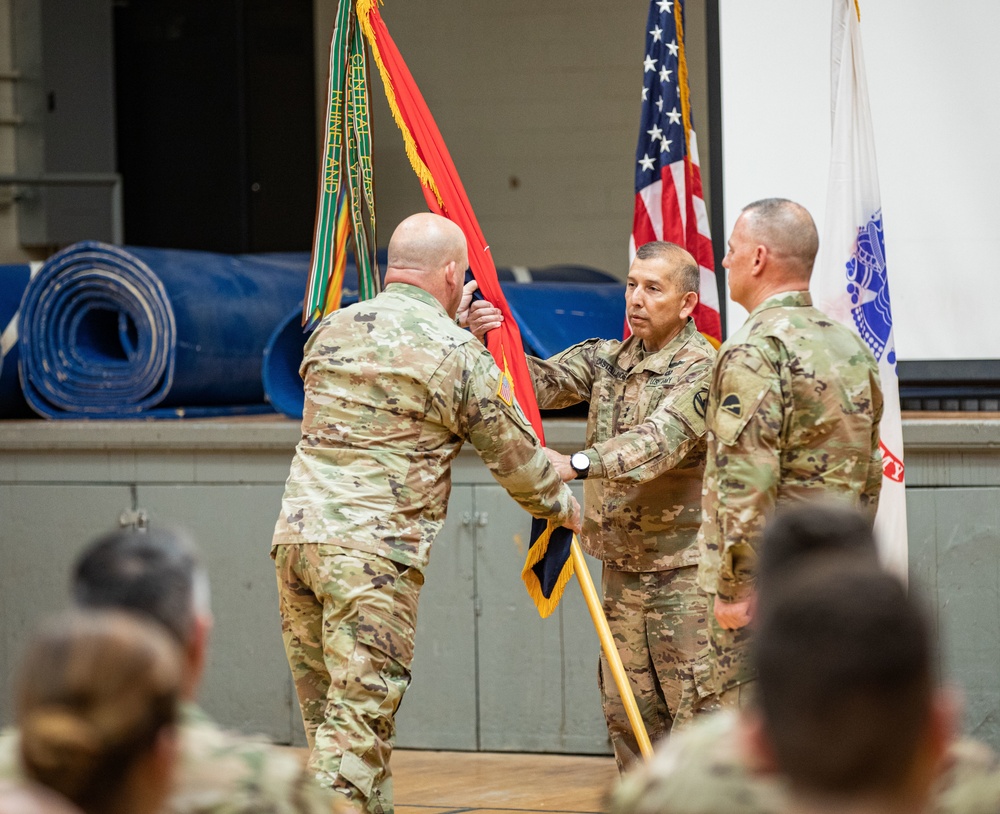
{"type": "Point", "coordinates": [581, 464]}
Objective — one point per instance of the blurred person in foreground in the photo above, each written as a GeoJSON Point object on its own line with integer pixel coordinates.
{"type": "Point", "coordinates": [155, 574]}
{"type": "Point", "coordinates": [714, 766]}
{"type": "Point", "coordinates": [393, 390]}
{"type": "Point", "coordinates": [641, 467]}
{"type": "Point", "coordinates": [849, 708]}
{"type": "Point", "coordinates": [97, 708]}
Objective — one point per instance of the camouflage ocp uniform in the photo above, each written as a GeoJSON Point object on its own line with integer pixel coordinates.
{"type": "Point", "coordinates": [393, 388]}
{"type": "Point", "coordinates": [222, 772]}
{"type": "Point", "coordinates": [793, 415]}
{"type": "Point", "coordinates": [642, 510]}
{"type": "Point", "coordinates": [706, 770]}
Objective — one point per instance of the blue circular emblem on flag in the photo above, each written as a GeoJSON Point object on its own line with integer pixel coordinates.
{"type": "Point", "coordinates": [868, 288]}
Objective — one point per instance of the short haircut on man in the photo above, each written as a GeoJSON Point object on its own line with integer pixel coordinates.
{"type": "Point", "coordinates": [797, 533]}
{"type": "Point", "coordinates": [844, 659]}
{"type": "Point", "coordinates": [685, 271]}
{"type": "Point", "coordinates": [153, 572]}
{"type": "Point", "coordinates": [786, 228]}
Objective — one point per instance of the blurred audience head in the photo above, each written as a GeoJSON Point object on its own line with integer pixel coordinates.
{"type": "Point", "coordinates": [97, 709]}
{"type": "Point", "coordinates": [154, 573]}
{"type": "Point", "coordinates": [847, 705]}
{"type": "Point", "coordinates": [796, 535]}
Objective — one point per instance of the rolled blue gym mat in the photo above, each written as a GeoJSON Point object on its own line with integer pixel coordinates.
{"type": "Point", "coordinates": [114, 332]}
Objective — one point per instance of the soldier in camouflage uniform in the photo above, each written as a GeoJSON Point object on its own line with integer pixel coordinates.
{"type": "Point", "coordinates": [155, 574]}
{"type": "Point", "coordinates": [642, 469]}
{"type": "Point", "coordinates": [793, 414]}
{"type": "Point", "coordinates": [707, 769]}
{"type": "Point", "coordinates": [393, 389]}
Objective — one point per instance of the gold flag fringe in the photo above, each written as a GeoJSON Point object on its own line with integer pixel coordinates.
{"type": "Point", "coordinates": [545, 604]}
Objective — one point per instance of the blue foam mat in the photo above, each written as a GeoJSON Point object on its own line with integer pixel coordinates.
{"type": "Point", "coordinates": [13, 282]}
{"type": "Point", "coordinates": [111, 332]}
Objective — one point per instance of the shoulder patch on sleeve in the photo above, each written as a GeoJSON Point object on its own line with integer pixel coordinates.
{"type": "Point", "coordinates": [742, 388]}
{"type": "Point", "coordinates": [732, 404]}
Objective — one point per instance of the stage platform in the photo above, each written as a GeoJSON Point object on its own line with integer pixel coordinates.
{"type": "Point", "coordinates": [489, 675]}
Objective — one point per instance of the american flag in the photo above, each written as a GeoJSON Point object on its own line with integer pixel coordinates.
{"type": "Point", "coordinates": [669, 203]}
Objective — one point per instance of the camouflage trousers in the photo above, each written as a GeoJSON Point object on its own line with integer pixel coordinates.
{"type": "Point", "coordinates": [659, 622]}
{"type": "Point", "coordinates": [730, 662]}
{"type": "Point", "coordinates": [348, 620]}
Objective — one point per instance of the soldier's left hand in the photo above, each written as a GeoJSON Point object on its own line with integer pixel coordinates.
{"type": "Point", "coordinates": [733, 615]}
{"type": "Point", "coordinates": [462, 317]}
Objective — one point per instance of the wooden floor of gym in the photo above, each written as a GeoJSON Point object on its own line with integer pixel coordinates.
{"type": "Point", "coordinates": [490, 783]}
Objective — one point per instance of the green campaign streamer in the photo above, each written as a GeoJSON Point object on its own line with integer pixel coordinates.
{"type": "Point", "coordinates": [347, 162]}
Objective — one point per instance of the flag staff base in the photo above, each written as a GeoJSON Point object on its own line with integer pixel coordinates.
{"type": "Point", "coordinates": [610, 650]}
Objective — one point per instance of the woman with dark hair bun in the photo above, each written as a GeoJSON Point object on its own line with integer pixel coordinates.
{"type": "Point", "coordinates": [97, 709]}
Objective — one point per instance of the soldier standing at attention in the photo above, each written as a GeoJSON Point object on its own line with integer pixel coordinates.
{"type": "Point", "coordinates": [393, 388]}
{"type": "Point", "coordinates": [642, 470]}
{"type": "Point", "coordinates": [793, 414]}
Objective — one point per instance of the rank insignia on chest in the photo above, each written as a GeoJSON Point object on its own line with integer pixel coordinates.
{"type": "Point", "coordinates": [505, 389]}
{"type": "Point", "coordinates": [732, 405]}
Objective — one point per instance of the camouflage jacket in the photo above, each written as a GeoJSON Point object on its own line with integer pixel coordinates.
{"type": "Point", "coordinates": [393, 388]}
{"type": "Point", "coordinates": [704, 770]}
{"type": "Point", "coordinates": [793, 414]}
{"type": "Point", "coordinates": [224, 773]}
{"type": "Point", "coordinates": [645, 441]}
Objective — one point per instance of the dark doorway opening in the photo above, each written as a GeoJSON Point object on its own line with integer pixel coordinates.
{"type": "Point", "coordinates": [216, 123]}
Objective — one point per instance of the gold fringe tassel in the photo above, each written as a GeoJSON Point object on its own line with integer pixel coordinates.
{"type": "Point", "coordinates": [364, 9]}
{"type": "Point", "coordinates": [545, 604]}
{"type": "Point", "coordinates": [682, 76]}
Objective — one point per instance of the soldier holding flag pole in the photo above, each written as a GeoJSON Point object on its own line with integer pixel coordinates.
{"type": "Point", "coordinates": [393, 388]}
{"type": "Point", "coordinates": [642, 468]}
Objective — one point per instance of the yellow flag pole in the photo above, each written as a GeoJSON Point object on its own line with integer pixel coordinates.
{"type": "Point", "coordinates": [610, 650]}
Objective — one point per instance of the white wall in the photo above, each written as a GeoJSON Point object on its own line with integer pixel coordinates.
{"type": "Point", "coordinates": [932, 75]}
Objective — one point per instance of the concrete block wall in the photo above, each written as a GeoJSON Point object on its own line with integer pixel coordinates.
{"type": "Point", "coordinates": [538, 103]}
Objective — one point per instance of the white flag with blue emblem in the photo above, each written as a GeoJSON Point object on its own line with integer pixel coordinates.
{"type": "Point", "coordinates": [851, 282]}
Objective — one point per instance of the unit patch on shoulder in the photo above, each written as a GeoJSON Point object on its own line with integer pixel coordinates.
{"type": "Point", "coordinates": [732, 405]}
{"type": "Point", "coordinates": [505, 388]}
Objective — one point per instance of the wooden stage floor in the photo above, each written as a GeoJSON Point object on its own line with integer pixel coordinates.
{"type": "Point", "coordinates": [488, 782]}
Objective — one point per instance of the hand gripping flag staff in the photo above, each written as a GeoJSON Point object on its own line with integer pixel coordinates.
{"type": "Point", "coordinates": [347, 203]}
{"type": "Point", "coordinates": [851, 282]}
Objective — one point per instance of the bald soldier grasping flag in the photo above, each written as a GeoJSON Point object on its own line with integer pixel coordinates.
{"type": "Point", "coordinates": [393, 389]}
